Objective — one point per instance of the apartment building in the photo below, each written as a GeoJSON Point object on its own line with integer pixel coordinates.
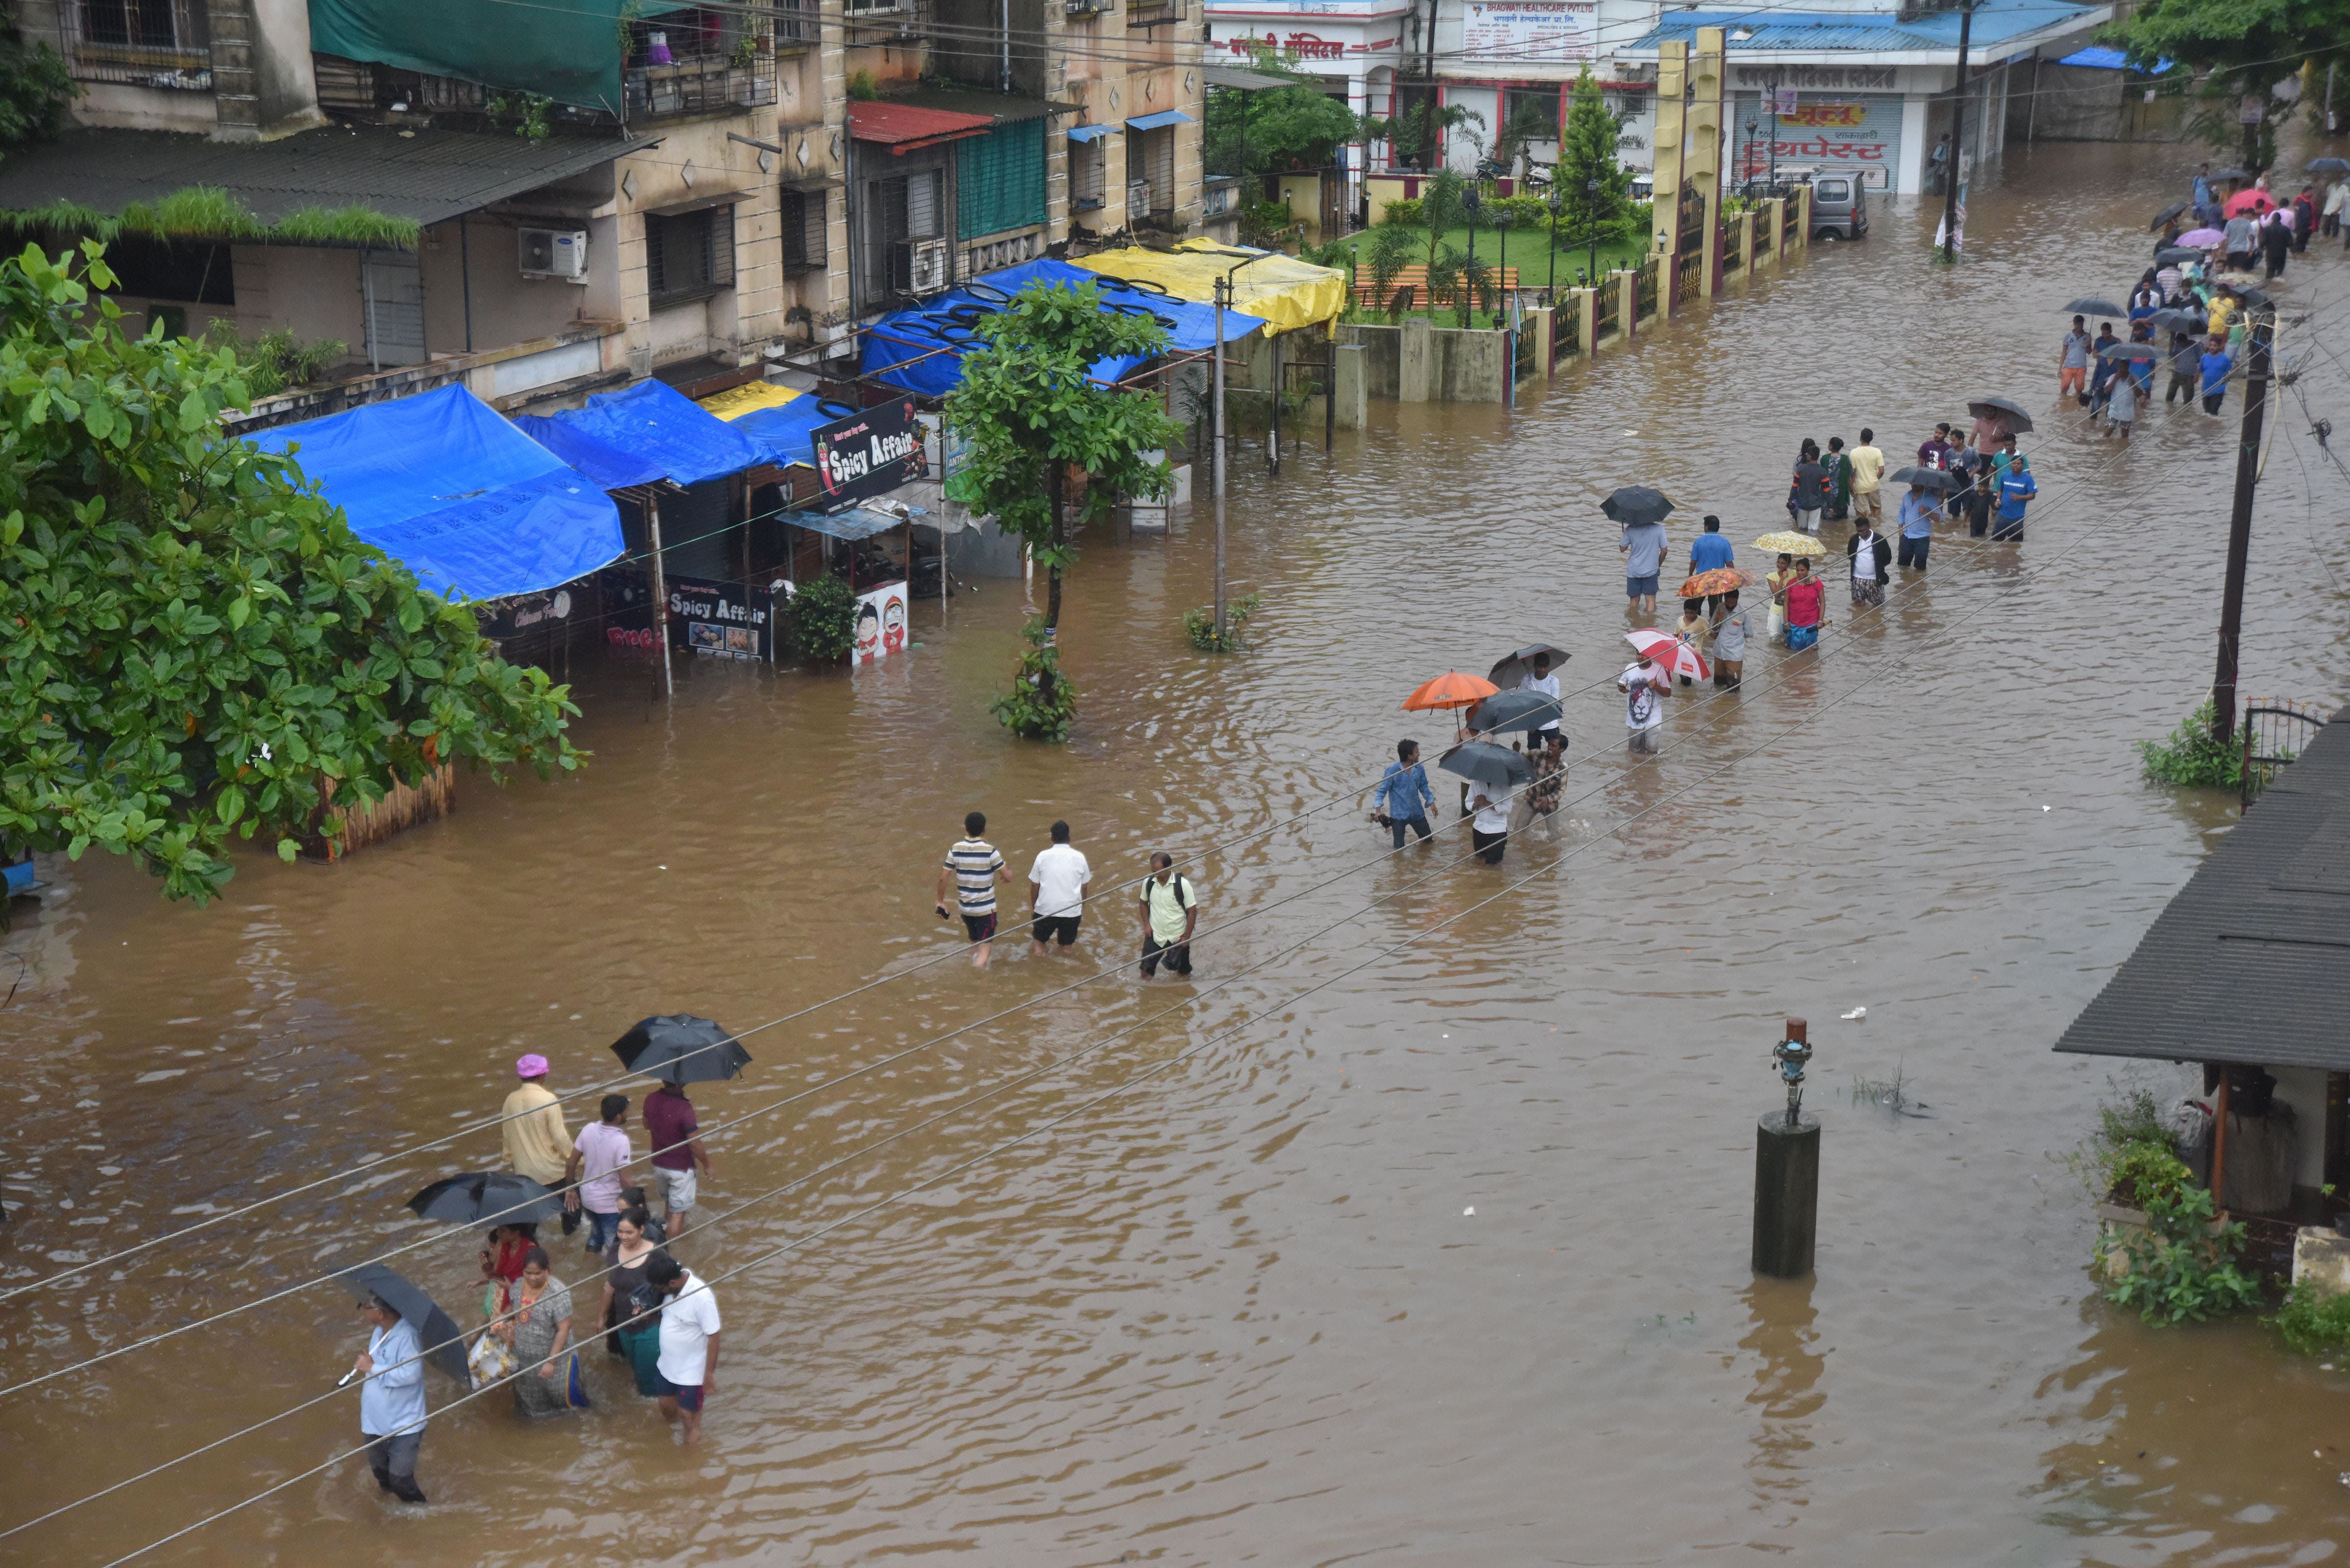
{"type": "Point", "coordinates": [544, 201]}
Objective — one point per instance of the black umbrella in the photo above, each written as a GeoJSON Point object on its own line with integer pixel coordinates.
{"type": "Point", "coordinates": [1488, 764]}
{"type": "Point", "coordinates": [2165, 215]}
{"type": "Point", "coordinates": [2177, 254]}
{"type": "Point", "coordinates": [2253, 298]}
{"type": "Point", "coordinates": [1506, 672]}
{"type": "Point", "coordinates": [2326, 166]}
{"type": "Point", "coordinates": [1635, 503]}
{"type": "Point", "coordinates": [2090, 304]}
{"type": "Point", "coordinates": [681, 1048]}
{"type": "Point", "coordinates": [2131, 351]}
{"type": "Point", "coordinates": [2181, 320]}
{"type": "Point", "coordinates": [2007, 409]}
{"type": "Point", "coordinates": [2230, 175]}
{"type": "Point", "coordinates": [1925, 478]}
{"type": "Point", "coordinates": [487, 1198]}
{"type": "Point", "coordinates": [1527, 710]}
{"type": "Point", "coordinates": [442, 1343]}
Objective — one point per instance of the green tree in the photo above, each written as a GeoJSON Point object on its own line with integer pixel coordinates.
{"type": "Point", "coordinates": [1528, 120]}
{"type": "Point", "coordinates": [1033, 417]}
{"type": "Point", "coordinates": [2241, 48]}
{"type": "Point", "coordinates": [1593, 187]}
{"type": "Point", "coordinates": [1271, 129]}
{"type": "Point", "coordinates": [192, 642]}
{"type": "Point", "coordinates": [1416, 135]}
{"type": "Point", "coordinates": [34, 88]}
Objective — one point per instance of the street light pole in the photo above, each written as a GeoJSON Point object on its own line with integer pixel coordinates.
{"type": "Point", "coordinates": [1469, 278]}
{"type": "Point", "coordinates": [1550, 293]}
{"type": "Point", "coordinates": [1591, 221]}
{"type": "Point", "coordinates": [2240, 529]}
{"type": "Point", "coordinates": [1216, 479]}
{"type": "Point", "coordinates": [1958, 139]}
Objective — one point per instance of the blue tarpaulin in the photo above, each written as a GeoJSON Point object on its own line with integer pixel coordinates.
{"type": "Point", "coordinates": [1165, 117]}
{"type": "Point", "coordinates": [469, 504]}
{"type": "Point", "coordinates": [898, 350]}
{"type": "Point", "coordinates": [650, 431]}
{"type": "Point", "coordinates": [2098, 57]}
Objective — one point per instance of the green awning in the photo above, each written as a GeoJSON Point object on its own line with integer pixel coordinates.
{"type": "Point", "coordinates": [569, 53]}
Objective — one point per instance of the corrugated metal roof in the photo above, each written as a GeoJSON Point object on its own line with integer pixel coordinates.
{"type": "Point", "coordinates": [906, 126]}
{"type": "Point", "coordinates": [1870, 32]}
{"type": "Point", "coordinates": [429, 177]}
{"type": "Point", "coordinates": [2250, 961]}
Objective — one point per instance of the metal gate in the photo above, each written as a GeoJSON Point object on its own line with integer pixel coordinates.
{"type": "Point", "coordinates": [391, 294]}
{"type": "Point", "coordinates": [2272, 734]}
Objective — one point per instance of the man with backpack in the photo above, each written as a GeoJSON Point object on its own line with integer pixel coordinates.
{"type": "Point", "coordinates": [1170, 910]}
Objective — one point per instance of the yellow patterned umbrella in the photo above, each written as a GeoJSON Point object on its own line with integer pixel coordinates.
{"type": "Point", "coordinates": [1787, 542]}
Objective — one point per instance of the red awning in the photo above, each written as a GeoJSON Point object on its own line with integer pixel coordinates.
{"type": "Point", "coordinates": [903, 126]}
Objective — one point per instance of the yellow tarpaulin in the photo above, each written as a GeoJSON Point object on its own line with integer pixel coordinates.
{"type": "Point", "coordinates": [1284, 292]}
{"type": "Point", "coordinates": [747, 398]}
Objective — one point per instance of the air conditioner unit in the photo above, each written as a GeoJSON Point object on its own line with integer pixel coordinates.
{"type": "Point", "coordinates": [554, 252]}
{"type": "Point", "coordinates": [919, 266]}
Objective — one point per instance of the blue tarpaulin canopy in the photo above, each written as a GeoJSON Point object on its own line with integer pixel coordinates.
{"type": "Point", "coordinates": [469, 504]}
{"type": "Point", "coordinates": [1089, 132]}
{"type": "Point", "coordinates": [899, 350]}
{"type": "Point", "coordinates": [650, 431]}
{"type": "Point", "coordinates": [1154, 121]}
{"type": "Point", "coordinates": [2099, 58]}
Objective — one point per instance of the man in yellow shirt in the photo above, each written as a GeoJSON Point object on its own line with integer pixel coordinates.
{"type": "Point", "coordinates": [1867, 469]}
{"type": "Point", "coordinates": [538, 1143]}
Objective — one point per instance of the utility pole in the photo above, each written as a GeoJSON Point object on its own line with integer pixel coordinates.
{"type": "Point", "coordinates": [1223, 287]}
{"type": "Point", "coordinates": [1957, 137]}
{"type": "Point", "coordinates": [2239, 528]}
{"type": "Point", "coordinates": [1591, 215]}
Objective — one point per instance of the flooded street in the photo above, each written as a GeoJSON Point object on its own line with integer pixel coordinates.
{"type": "Point", "coordinates": [1242, 1312]}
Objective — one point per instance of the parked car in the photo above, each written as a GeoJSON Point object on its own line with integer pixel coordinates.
{"type": "Point", "coordinates": [1839, 207]}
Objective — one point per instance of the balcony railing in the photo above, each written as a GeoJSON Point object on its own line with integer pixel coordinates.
{"type": "Point", "coordinates": [696, 86]}
{"type": "Point", "coordinates": [1151, 13]}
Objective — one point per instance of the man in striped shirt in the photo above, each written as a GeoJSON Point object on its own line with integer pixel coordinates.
{"type": "Point", "coordinates": [972, 868]}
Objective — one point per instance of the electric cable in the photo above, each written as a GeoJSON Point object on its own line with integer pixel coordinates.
{"type": "Point", "coordinates": [852, 1074]}
{"type": "Point", "coordinates": [75, 1270]}
{"type": "Point", "coordinates": [1997, 596]}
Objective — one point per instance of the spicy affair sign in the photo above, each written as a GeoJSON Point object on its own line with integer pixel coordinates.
{"type": "Point", "coordinates": [868, 452]}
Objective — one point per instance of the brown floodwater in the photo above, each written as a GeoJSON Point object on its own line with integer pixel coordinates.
{"type": "Point", "coordinates": [1242, 1312]}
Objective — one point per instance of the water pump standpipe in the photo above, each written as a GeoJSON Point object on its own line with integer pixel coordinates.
{"type": "Point", "coordinates": [1794, 1054]}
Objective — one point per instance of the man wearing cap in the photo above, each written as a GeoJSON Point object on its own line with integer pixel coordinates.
{"type": "Point", "coordinates": [538, 1143]}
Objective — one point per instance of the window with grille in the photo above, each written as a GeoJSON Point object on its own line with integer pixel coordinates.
{"type": "Point", "coordinates": [803, 222]}
{"type": "Point", "coordinates": [153, 43]}
{"type": "Point", "coordinates": [690, 256]}
{"type": "Point", "coordinates": [1089, 171]}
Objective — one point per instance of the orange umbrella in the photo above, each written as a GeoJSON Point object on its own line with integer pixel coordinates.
{"type": "Point", "coordinates": [1451, 690]}
{"type": "Point", "coordinates": [1719, 580]}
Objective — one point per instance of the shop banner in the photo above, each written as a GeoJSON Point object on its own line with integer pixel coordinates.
{"type": "Point", "coordinates": [508, 617]}
{"type": "Point", "coordinates": [880, 624]}
{"type": "Point", "coordinates": [725, 620]}
{"type": "Point", "coordinates": [1542, 30]}
{"type": "Point", "coordinates": [870, 453]}
{"type": "Point", "coordinates": [1826, 133]}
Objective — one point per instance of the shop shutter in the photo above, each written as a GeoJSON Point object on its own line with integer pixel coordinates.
{"type": "Point", "coordinates": [696, 536]}
{"type": "Point", "coordinates": [1000, 179]}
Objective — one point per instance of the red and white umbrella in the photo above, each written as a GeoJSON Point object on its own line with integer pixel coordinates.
{"type": "Point", "coordinates": [1677, 657]}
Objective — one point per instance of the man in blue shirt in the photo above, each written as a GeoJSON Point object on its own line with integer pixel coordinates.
{"type": "Point", "coordinates": [1403, 796]}
{"type": "Point", "coordinates": [392, 1400]}
{"type": "Point", "coordinates": [1709, 551]}
{"type": "Point", "coordinates": [2203, 208]}
{"type": "Point", "coordinates": [2217, 363]}
{"type": "Point", "coordinates": [1916, 525]}
{"type": "Point", "coordinates": [2015, 488]}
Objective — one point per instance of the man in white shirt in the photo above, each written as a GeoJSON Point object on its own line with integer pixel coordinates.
{"type": "Point", "coordinates": [1489, 822]}
{"type": "Point", "coordinates": [689, 1343]}
{"type": "Point", "coordinates": [1645, 684]}
{"type": "Point", "coordinates": [392, 1400]}
{"type": "Point", "coordinates": [1058, 884]}
{"type": "Point", "coordinates": [1541, 679]}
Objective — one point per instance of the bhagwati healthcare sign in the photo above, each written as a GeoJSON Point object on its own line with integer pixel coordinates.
{"type": "Point", "coordinates": [870, 453]}
{"type": "Point", "coordinates": [1853, 134]}
{"type": "Point", "coordinates": [1529, 29]}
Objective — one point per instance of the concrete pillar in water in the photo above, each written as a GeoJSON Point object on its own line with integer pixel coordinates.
{"type": "Point", "coordinates": [1350, 376]}
{"type": "Point", "coordinates": [1788, 1169]}
{"type": "Point", "coordinates": [1415, 373]}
